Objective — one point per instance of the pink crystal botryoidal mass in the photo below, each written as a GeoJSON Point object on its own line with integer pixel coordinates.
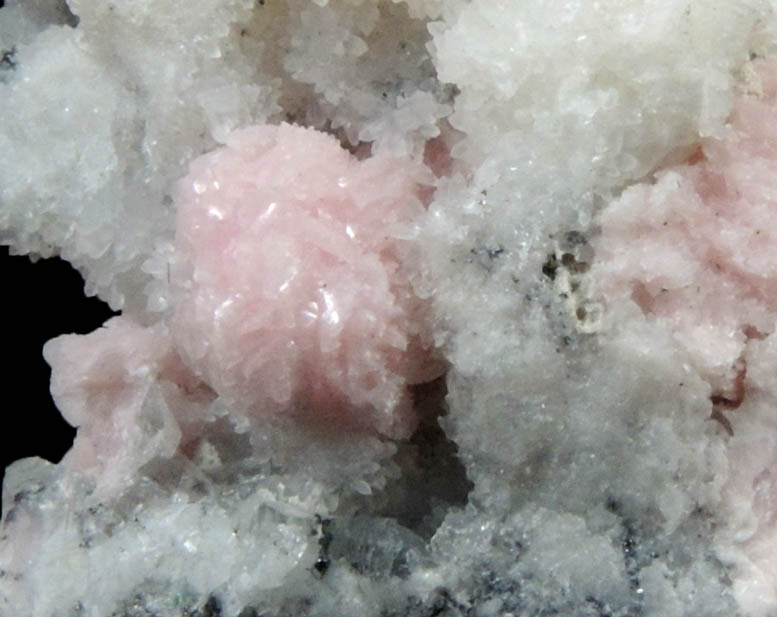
{"type": "Point", "coordinates": [289, 296]}
{"type": "Point", "coordinates": [290, 291]}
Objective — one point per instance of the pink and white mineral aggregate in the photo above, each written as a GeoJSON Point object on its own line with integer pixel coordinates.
{"type": "Point", "coordinates": [553, 221]}
{"type": "Point", "coordinates": [289, 296]}
{"type": "Point", "coordinates": [695, 250]}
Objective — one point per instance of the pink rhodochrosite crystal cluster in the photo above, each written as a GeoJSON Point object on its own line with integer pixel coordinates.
{"type": "Point", "coordinates": [289, 296]}
{"type": "Point", "coordinates": [102, 383]}
{"type": "Point", "coordinates": [290, 292]}
{"type": "Point", "coordinates": [695, 247]}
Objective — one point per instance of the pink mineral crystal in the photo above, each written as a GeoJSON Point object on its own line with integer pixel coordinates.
{"type": "Point", "coordinates": [290, 291]}
{"type": "Point", "coordinates": [697, 251]}
{"type": "Point", "coordinates": [289, 296]}
{"type": "Point", "coordinates": [103, 383]}
{"type": "Point", "coordinates": [697, 248]}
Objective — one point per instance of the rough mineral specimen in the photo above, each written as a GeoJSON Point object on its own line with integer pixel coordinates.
{"type": "Point", "coordinates": [307, 211]}
{"type": "Point", "coordinates": [692, 247]}
{"type": "Point", "coordinates": [288, 296]}
{"type": "Point", "coordinates": [289, 289]}
{"type": "Point", "coordinates": [694, 250]}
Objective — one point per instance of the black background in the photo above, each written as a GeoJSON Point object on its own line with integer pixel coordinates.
{"type": "Point", "coordinates": [39, 301]}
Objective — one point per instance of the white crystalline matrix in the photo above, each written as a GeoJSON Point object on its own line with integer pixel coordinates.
{"type": "Point", "coordinates": [428, 307]}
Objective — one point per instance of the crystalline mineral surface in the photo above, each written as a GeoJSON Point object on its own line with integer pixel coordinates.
{"type": "Point", "coordinates": [428, 307]}
{"type": "Point", "coordinates": [289, 288]}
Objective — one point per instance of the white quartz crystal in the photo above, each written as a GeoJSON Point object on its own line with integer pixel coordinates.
{"type": "Point", "coordinates": [495, 191]}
